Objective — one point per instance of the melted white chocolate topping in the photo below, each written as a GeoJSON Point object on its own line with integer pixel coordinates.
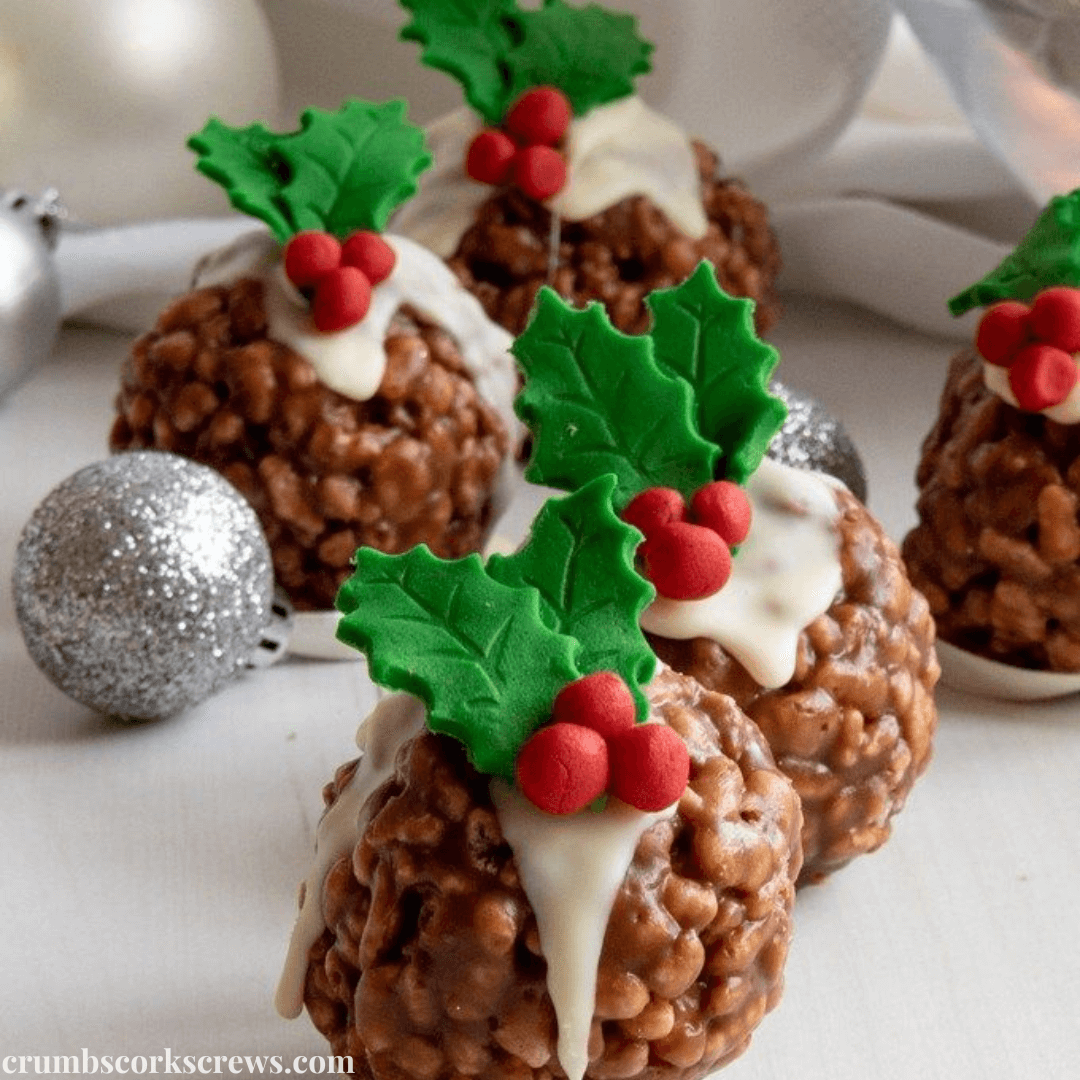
{"type": "Point", "coordinates": [1065, 412]}
{"type": "Point", "coordinates": [353, 361]}
{"type": "Point", "coordinates": [394, 721]}
{"type": "Point", "coordinates": [786, 574]}
{"type": "Point", "coordinates": [625, 149]}
{"type": "Point", "coordinates": [614, 151]}
{"type": "Point", "coordinates": [571, 868]}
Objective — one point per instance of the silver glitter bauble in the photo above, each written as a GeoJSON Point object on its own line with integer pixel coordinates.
{"type": "Point", "coordinates": [811, 438]}
{"type": "Point", "coordinates": [142, 583]}
{"type": "Point", "coordinates": [29, 286]}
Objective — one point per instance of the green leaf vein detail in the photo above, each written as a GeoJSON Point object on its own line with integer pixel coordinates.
{"type": "Point", "coordinates": [341, 171]}
{"type": "Point", "coordinates": [580, 558]}
{"type": "Point", "coordinates": [475, 651]}
{"type": "Point", "coordinates": [707, 338]}
{"type": "Point", "coordinates": [597, 403]}
{"type": "Point", "coordinates": [497, 50]}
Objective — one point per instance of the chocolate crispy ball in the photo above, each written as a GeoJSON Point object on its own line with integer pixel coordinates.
{"type": "Point", "coordinates": [431, 965]}
{"type": "Point", "coordinates": [618, 256]}
{"type": "Point", "coordinates": [997, 547]}
{"type": "Point", "coordinates": [853, 727]}
{"type": "Point", "coordinates": [417, 463]}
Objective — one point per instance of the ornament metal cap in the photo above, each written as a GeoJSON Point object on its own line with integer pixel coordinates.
{"type": "Point", "coordinates": [273, 643]}
{"type": "Point", "coordinates": [812, 438]}
{"type": "Point", "coordinates": [30, 298]}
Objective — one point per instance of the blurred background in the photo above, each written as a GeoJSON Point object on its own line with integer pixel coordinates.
{"type": "Point", "coordinates": [932, 130]}
{"type": "Point", "coordinates": [96, 96]}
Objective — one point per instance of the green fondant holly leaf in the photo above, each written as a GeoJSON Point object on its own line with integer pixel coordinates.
{"type": "Point", "coordinates": [1048, 255]}
{"type": "Point", "coordinates": [707, 337]}
{"type": "Point", "coordinates": [467, 39]}
{"type": "Point", "coordinates": [580, 558]}
{"type": "Point", "coordinates": [592, 55]}
{"type": "Point", "coordinates": [242, 160]}
{"type": "Point", "coordinates": [351, 169]}
{"type": "Point", "coordinates": [597, 403]}
{"type": "Point", "coordinates": [475, 651]}
{"type": "Point", "coordinates": [342, 170]}
{"type": "Point", "coordinates": [497, 50]}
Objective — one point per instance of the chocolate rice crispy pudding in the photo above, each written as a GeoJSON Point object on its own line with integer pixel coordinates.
{"type": "Point", "coordinates": [428, 962]}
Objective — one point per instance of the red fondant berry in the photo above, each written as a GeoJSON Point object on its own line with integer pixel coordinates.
{"type": "Point", "coordinates": [655, 506]}
{"type": "Point", "coordinates": [369, 252]}
{"type": "Point", "coordinates": [341, 299]}
{"type": "Point", "coordinates": [1055, 318]}
{"type": "Point", "coordinates": [539, 172]}
{"type": "Point", "coordinates": [1041, 376]}
{"type": "Point", "coordinates": [310, 256]}
{"type": "Point", "coordinates": [540, 115]}
{"type": "Point", "coordinates": [650, 766]}
{"type": "Point", "coordinates": [490, 156]}
{"type": "Point", "coordinates": [686, 561]}
{"type": "Point", "coordinates": [723, 507]}
{"type": "Point", "coordinates": [1003, 330]}
{"type": "Point", "coordinates": [563, 767]}
{"type": "Point", "coordinates": [600, 701]}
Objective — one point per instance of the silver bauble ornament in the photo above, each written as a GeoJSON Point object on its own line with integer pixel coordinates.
{"type": "Point", "coordinates": [142, 583]}
{"type": "Point", "coordinates": [29, 286]}
{"type": "Point", "coordinates": [99, 96]}
{"type": "Point", "coordinates": [811, 438]}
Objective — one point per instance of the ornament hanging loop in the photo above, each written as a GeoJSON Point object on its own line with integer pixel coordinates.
{"type": "Point", "coordinates": [273, 644]}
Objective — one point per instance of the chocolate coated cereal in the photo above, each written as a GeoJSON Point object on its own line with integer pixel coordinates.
{"type": "Point", "coordinates": [431, 966]}
{"type": "Point", "coordinates": [618, 256]}
{"type": "Point", "coordinates": [417, 463]}
{"type": "Point", "coordinates": [853, 727]}
{"type": "Point", "coordinates": [997, 547]}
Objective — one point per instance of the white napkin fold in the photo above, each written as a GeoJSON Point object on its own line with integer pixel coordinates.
{"type": "Point", "coordinates": [898, 219]}
{"type": "Point", "coordinates": [1014, 68]}
{"type": "Point", "coordinates": [121, 277]}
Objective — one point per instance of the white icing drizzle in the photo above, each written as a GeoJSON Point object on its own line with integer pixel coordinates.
{"type": "Point", "coordinates": [353, 361]}
{"type": "Point", "coordinates": [1065, 412]}
{"type": "Point", "coordinates": [395, 720]}
{"type": "Point", "coordinates": [614, 151]}
{"type": "Point", "coordinates": [624, 149]}
{"type": "Point", "coordinates": [571, 868]}
{"type": "Point", "coordinates": [785, 575]}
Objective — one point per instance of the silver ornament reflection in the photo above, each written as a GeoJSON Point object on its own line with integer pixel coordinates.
{"type": "Point", "coordinates": [142, 583]}
{"type": "Point", "coordinates": [29, 285]}
{"type": "Point", "coordinates": [812, 438]}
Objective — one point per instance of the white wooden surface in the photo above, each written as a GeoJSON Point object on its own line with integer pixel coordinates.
{"type": "Point", "coordinates": [148, 874]}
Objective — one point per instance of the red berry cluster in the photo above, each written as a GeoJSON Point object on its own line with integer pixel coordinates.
{"type": "Point", "coordinates": [687, 552]}
{"type": "Point", "coordinates": [338, 277]}
{"type": "Point", "coordinates": [524, 153]}
{"type": "Point", "coordinates": [594, 744]}
{"type": "Point", "coordinates": [1036, 344]}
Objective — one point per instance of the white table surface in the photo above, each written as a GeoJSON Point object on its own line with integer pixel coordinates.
{"type": "Point", "coordinates": [149, 874]}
